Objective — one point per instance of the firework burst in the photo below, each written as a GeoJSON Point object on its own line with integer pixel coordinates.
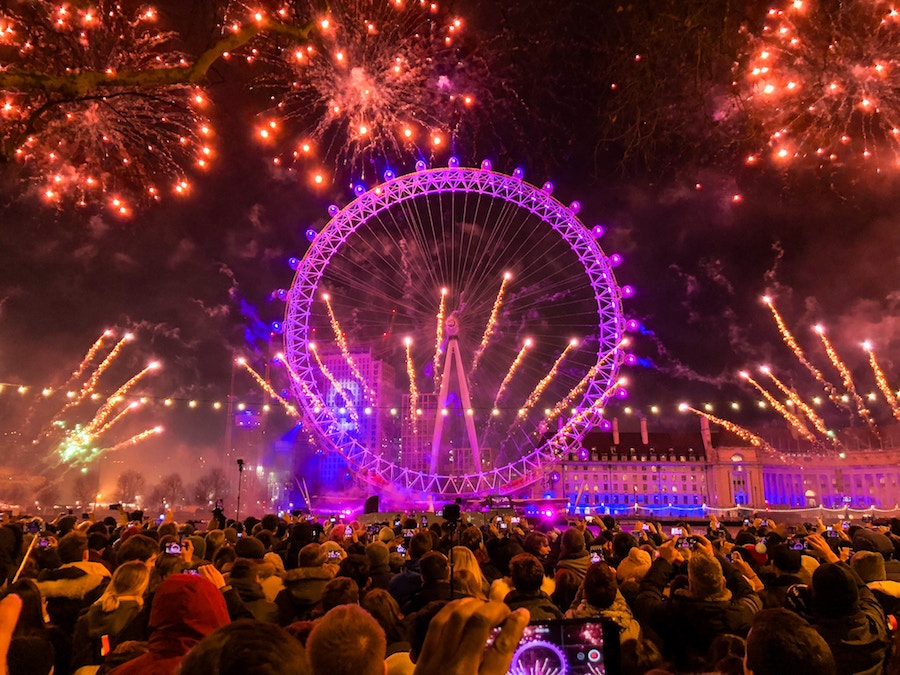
{"type": "Point", "coordinates": [86, 110]}
{"type": "Point", "coordinates": [377, 81]}
{"type": "Point", "coordinates": [823, 82]}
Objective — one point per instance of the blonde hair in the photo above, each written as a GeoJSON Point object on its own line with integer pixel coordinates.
{"type": "Point", "coordinates": [463, 559]}
{"type": "Point", "coordinates": [129, 581]}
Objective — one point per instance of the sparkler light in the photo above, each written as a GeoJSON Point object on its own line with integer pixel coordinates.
{"type": "Point", "coordinates": [491, 323]}
{"type": "Point", "coordinates": [736, 429]}
{"type": "Point", "coordinates": [338, 387]}
{"type": "Point", "coordinates": [439, 339]}
{"type": "Point", "coordinates": [512, 371]}
{"type": "Point", "coordinates": [291, 410]}
{"type": "Point", "coordinates": [786, 335]}
{"type": "Point", "coordinates": [376, 81]}
{"type": "Point", "coordinates": [881, 379]}
{"type": "Point", "coordinates": [817, 421]}
{"type": "Point", "coordinates": [847, 378]}
{"type": "Point", "coordinates": [413, 389]}
{"type": "Point", "coordinates": [790, 417]}
{"type": "Point", "coordinates": [345, 350]}
{"type": "Point", "coordinates": [823, 81]}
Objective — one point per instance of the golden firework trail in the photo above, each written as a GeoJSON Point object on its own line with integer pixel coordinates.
{"type": "Point", "coordinates": [791, 418]}
{"type": "Point", "coordinates": [847, 378]}
{"type": "Point", "coordinates": [491, 324]}
{"type": "Point", "coordinates": [542, 385]}
{"type": "Point", "coordinates": [268, 388]}
{"type": "Point", "coordinates": [95, 376]}
{"type": "Point", "coordinates": [413, 389]}
{"type": "Point", "coordinates": [881, 379]}
{"type": "Point", "coordinates": [134, 440]}
{"type": "Point", "coordinates": [736, 429]}
{"type": "Point", "coordinates": [596, 406]}
{"type": "Point", "coordinates": [817, 421]}
{"type": "Point", "coordinates": [580, 387]}
{"type": "Point", "coordinates": [106, 409]}
{"type": "Point", "coordinates": [787, 336]}
{"type": "Point", "coordinates": [88, 357]}
{"type": "Point", "coordinates": [345, 350]}
{"type": "Point", "coordinates": [514, 366]}
{"type": "Point", "coordinates": [439, 339]}
{"type": "Point", "coordinates": [317, 402]}
{"type": "Point", "coordinates": [134, 405]}
{"type": "Point", "coordinates": [348, 402]}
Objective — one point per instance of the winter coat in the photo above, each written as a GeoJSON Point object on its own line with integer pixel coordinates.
{"type": "Point", "coordinates": [254, 599]}
{"type": "Point", "coordinates": [94, 624]}
{"type": "Point", "coordinates": [406, 582]}
{"type": "Point", "coordinates": [888, 595]}
{"type": "Point", "coordinates": [576, 562]}
{"type": "Point", "coordinates": [186, 608]}
{"type": "Point", "coordinates": [71, 588]}
{"type": "Point", "coordinates": [618, 612]}
{"type": "Point", "coordinates": [538, 604]}
{"type": "Point", "coordinates": [775, 592]}
{"type": "Point", "coordinates": [501, 587]}
{"type": "Point", "coordinates": [303, 588]}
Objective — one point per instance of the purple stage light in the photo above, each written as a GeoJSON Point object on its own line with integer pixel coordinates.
{"type": "Point", "coordinates": [518, 173]}
{"type": "Point", "coordinates": [621, 393]}
{"type": "Point", "coordinates": [630, 359]}
{"type": "Point", "coordinates": [627, 291]}
{"type": "Point", "coordinates": [359, 189]}
{"type": "Point", "coordinates": [281, 294]}
{"type": "Point", "coordinates": [276, 327]}
{"type": "Point", "coordinates": [389, 175]}
{"type": "Point", "coordinates": [605, 425]}
{"type": "Point", "coordinates": [632, 325]}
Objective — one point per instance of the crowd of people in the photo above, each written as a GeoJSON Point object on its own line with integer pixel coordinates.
{"type": "Point", "coordinates": [433, 596]}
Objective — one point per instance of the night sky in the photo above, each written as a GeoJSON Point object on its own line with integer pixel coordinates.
{"type": "Point", "coordinates": [193, 276]}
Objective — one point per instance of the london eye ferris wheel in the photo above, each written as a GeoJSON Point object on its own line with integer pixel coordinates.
{"type": "Point", "coordinates": [452, 330]}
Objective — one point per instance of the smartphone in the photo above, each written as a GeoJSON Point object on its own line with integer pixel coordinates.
{"type": "Point", "coordinates": [194, 573]}
{"type": "Point", "coordinates": [34, 527]}
{"type": "Point", "coordinates": [503, 526]}
{"type": "Point", "coordinates": [866, 519]}
{"type": "Point", "coordinates": [333, 519]}
{"type": "Point", "coordinates": [645, 527]}
{"type": "Point", "coordinates": [845, 525]}
{"type": "Point", "coordinates": [677, 531]}
{"type": "Point", "coordinates": [800, 545]}
{"type": "Point", "coordinates": [408, 534]}
{"type": "Point", "coordinates": [831, 533]}
{"type": "Point", "coordinates": [746, 521]}
{"type": "Point", "coordinates": [333, 555]}
{"type": "Point", "coordinates": [397, 522]}
{"type": "Point", "coordinates": [514, 520]}
{"type": "Point", "coordinates": [687, 542]}
{"type": "Point", "coordinates": [44, 542]}
{"type": "Point", "coordinates": [173, 548]}
{"type": "Point", "coordinates": [295, 512]}
{"type": "Point", "coordinates": [424, 521]}
{"type": "Point", "coordinates": [596, 554]}
{"type": "Point", "coordinates": [573, 646]}
{"type": "Point", "coordinates": [401, 550]}
{"type": "Point", "coordinates": [115, 507]}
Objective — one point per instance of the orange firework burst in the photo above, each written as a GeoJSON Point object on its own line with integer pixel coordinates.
{"type": "Point", "coordinates": [881, 379]}
{"type": "Point", "coordinates": [842, 368]}
{"type": "Point", "coordinates": [736, 429]}
{"type": "Point", "coordinates": [790, 417]}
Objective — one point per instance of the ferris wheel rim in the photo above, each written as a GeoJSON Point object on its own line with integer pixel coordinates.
{"type": "Point", "coordinates": [595, 266]}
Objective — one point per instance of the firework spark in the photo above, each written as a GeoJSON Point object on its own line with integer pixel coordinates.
{"type": "Point", "coordinates": [439, 339]}
{"type": "Point", "coordinates": [91, 382]}
{"type": "Point", "coordinates": [881, 379]}
{"type": "Point", "coordinates": [823, 81]}
{"type": "Point", "coordinates": [786, 335]}
{"type": "Point", "coordinates": [90, 105]}
{"type": "Point", "coordinates": [131, 407]}
{"type": "Point", "coordinates": [798, 402]}
{"type": "Point", "coordinates": [413, 389]}
{"type": "Point", "coordinates": [267, 387]}
{"type": "Point", "coordinates": [542, 385]}
{"type": "Point", "coordinates": [338, 387]}
{"type": "Point", "coordinates": [847, 379]}
{"type": "Point", "coordinates": [88, 358]}
{"type": "Point", "coordinates": [345, 350]}
{"type": "Point", "coordinates": [736, 429]}
{"type": "Point", "coordinates": [790, 417]}
{"type": "Point", "coordinates": [107, 408]}
{"type": "Point", "coordinates": [514, 366]}
{"type": "Point", "coordinates": [134, 440]}
{"type": "Point", "coordinates": [377, 80]}
{"type": "Point", "coordinates": [560, 407]}
{"type": "Point", "coordinates": [491, 324]}
{"type": "Point", "coordinates": [296, 378]}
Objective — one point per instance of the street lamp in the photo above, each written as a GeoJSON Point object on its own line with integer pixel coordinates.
{"type": "Point", "coordinates": [240, 464]}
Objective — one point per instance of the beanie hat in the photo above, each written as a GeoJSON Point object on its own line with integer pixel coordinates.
{"type": "Point", "coordinates": [250, 547]}
{"type": "Point", "coordinates": [635, 566]}
{"type": "Point", "coordinates": [744, 537]}
{"type": "Point", "coordinates": [230, 535]}
{"type": "Point", "coordinates": [755, 554]}
{"type": "Point", "coordinates": [331, 546]}
{"type": "Point", "coordinates": [275, 560]}
{"type": "Point", "coordinates": [705, 575]}
{"type": "Point", "coordinates": [869, 566]}
{"type": "Point", "coordinates": [378, 553]}
{"type": "Point", "coordinates": [834, 590]}
{"type": "Point", "coordinates": [808, 565]}
{"type": "Point", "coordinates": [199, 546]}
{"type": "Point", "coordinates": [870, 540]}
{"type": "Point", "coordinates": [386, 534]}
{"type": "Point", "coordinates": [786, 559]}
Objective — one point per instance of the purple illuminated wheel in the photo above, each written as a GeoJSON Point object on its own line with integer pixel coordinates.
{"type": "Point", "coordinates": [452, 330]}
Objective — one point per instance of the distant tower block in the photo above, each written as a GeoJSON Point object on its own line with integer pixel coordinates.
{"type": "Point", "coordinates": [454, 359]}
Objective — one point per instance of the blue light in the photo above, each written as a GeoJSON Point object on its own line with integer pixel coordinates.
{"type": "Point", "coordinates": [420, 165]}
{"type": "Point", "coordinates": [333, 210]}
{"type": "Point", "coordinates": [277, 327]}
{"type": "Point", "coordinates": [294, 263]}
{"type": "Point", "coordinates": [311, 234]}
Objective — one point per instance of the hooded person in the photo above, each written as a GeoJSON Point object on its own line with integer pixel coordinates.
{"type": "Point", "coordinates": [573, 555]}
{"type": "Point", "coordinates": [870, 567]}
{"type": "Point", "coordinates": [186, 608]}
{"type": "Point", "coordinates": [303, 586]}
{"type": "Point", "coordinates": [845, 612]}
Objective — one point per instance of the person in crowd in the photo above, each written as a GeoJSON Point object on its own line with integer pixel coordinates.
{"type": "Point", "coordinates": [781, 641]}
{"type": "Point", "coordinates": [247, 646]}
{"type": "Point", "coordinates": [73, 586]}
{"type": "Point", "coordinates": [348, 641]}
{"type": "Point", "coordinates": [356, 566]}
{"type": "Point", "coordinates": [409, 580]}
{"type": "Point", "coordinates": [35, 644]}
{"type": "Point", "coordinates": [186, 608]}
{"type": "Point", "coordinates": [601, 599]}
{"type": "Point", "coordinates": [244, 578]}
{"type": "Point", "coordinates": [567, 584]}
{"type": "Point", "coordinates": [527, 575]}
{"type": "Point", "coordinates": [303, 585]}
{"type": "Point", "coordinates": [573, 555]}
{"type": "Point", "coordinates": [382, 606]}
{"type": "Point", "coordinates": [339, 591]}
{"type": "Point", "coordinates": [462, 558]}
{"type": "Point", "coordinates": [97, 631]}
{"type": "Point", "coordinates": [785, 564]}
{"type": "Point", "coordinates": [379, 569]}
{"type": "Point", "coordinates": [435, 569]}
{"type": "Point", "coordinates": [690, 619]}
{"type": "Point", "coordinates": [869, 566]}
